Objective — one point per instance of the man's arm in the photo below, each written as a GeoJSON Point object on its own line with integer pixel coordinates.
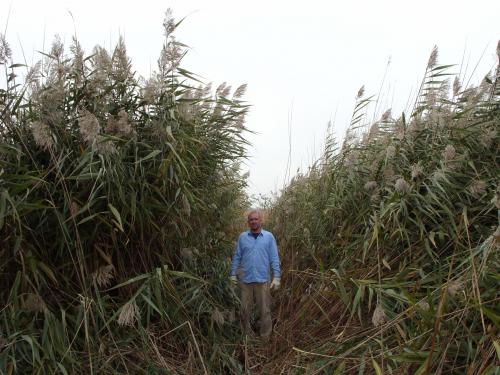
{"type": "Point", "coordinates": [274, 258]}
{"type": "Point", "coordinates": [236, 259]}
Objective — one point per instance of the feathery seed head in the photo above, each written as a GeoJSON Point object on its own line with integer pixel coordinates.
{"type": "Point", "coordinates": [370, 186]}
{"type": "Point", "coordinates": [51, 99]}
{"type": "Point", "coordinates": [388, 174]}
{"type": "Point", "coordinates": [217, 317]}
{"type": "Point", "coordinates": [222, 89]}
{"type": "Point", "coordinates": [33, 73]}
{"type": "Point", "coordinates": [444, 89]}
{"type": "Point", "coordinates": [431, 98]}
{"type": "Point", "coordinates": [390, 151]}
{"type": "Point", "coordinates": [89, 127]}
{"type": "Point", "coordinates": [103, 275]}
{"type": "Point", "coordinates": [168, 23]}
{"type": "Point", "coordinates": [60, 72]}
{"type": "Point", "coordinates": [124, 126]}
{"type": "Point", "coordinates": [105, 146]}
{"type": "Point", "coordinates": [402, 187]}
{"type": "Point", "coordinates": [171, 55]}
{"type": "Point", "coordinates": [206, 91]}
{"type": "Point", "coordinates": [372, 133]}
{"type": "Point", "coordinates": [239, 121]}
{"type": "Point", "coordinates": [477, 188]}
{"type": "Point", "coordinates": [57, 49]}
{"type": "Point", "coordinates": [454, 287]}
{"type": "Point", "coordinates": [76, 49]}
{"type": "Point", "coordinates": [5, 51]}
{"type": "Point", "coordinates": [42, 135]}
{"type": "Point", "coordinates": [129, 314]}
{"type": "Point", "coordinates": [439, 174]}
{"type": "Point", "coordinates": [78, 64]}
{"type": "Point", "coordinates": [400, 131]}
{"type": "Point", "coordinates": [361, 92]}
{"type": "Point", "coordinates": [378, 317]}
{"type": "Point", "coordinates": [386, 115]}
{"type": "Point", "coordinates": [375, 165]}
{"type": "Point", "coordinates": [240, 91]}
{"type": "Point", "coordinates": [111, 125]}
{"type": "Point", "coordinates": [352, 159]}
{"type": "Point", "coordinates": [375, 197]}
{"type": "Point", "coordinates": [449, 153]}
{"type": "Point", "coordinates": [199, 92]}
{"type": "Point", "coordinates": [120, 62]}
{"type": "Point", "coordinates": [416, 171]}
{"type": "Point", "coordinates": [102, 66]}
{"type": "Point", "coordinates": [432, 58]}
{"type": "Point", "coordinates": [186, 206]}
{"type": "Point", "coordinates": [150, 91]}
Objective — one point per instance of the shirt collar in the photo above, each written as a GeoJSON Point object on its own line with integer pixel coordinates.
{"type": "Point", "coordinates": [249, 232]}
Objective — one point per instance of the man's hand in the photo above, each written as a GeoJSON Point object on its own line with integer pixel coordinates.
{"type": "Point", "coordinates": [234, 280]}
{"type": "Point", "coordinates": [275, 284]}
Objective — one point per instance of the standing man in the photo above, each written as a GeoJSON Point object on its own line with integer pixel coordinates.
{"type": "Point", "coordinates": [256, 254]}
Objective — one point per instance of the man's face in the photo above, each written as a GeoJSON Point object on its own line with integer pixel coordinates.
{"type": "Point", "coordinates": [254, 222]}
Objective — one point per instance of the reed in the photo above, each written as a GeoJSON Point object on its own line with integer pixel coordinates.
{"type": "Point", "coordinates": [117, 198]}
{"type": "Point", "coordinates": [120, 198]}
{"type": "Point", "coordinates": [391, 241]}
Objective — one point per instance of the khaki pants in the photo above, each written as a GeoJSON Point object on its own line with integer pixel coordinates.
{"type": "Point", "coordinates": [256, 293]}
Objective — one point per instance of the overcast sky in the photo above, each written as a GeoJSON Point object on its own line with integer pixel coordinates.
{"type": "Point", "coordinates": [303, 61]}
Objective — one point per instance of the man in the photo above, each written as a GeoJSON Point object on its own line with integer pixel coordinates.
{"type": "Point", "coordinates": [255, 255]}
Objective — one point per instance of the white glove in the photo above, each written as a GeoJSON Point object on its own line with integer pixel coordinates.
{"type": "Point", "coordinates": [234, 280]}
{"type": "Point", "coordinates": [275, 284]}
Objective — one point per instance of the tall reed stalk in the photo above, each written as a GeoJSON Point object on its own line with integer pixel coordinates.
{"type": "Point", "coordinates": [117, 197]}
{"type": "Point", "coordinates": [392, 241]}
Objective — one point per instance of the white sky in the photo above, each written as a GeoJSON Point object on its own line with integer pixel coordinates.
{"type": "Point", "coordinates": [303, 61]}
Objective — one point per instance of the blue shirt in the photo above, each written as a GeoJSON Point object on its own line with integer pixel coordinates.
{"type": "Point", "coordinates": [255, 257]}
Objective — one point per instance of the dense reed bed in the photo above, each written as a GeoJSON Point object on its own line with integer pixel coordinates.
{"type": "Point", "coordinates": [391, 242]}
{"type": "Point", "coordinates": [118, 195]}
{"type": "Point", "coordinates": [120, 199]}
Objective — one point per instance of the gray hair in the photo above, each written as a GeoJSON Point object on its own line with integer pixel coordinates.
{"type": "Point", "coordinates": [255, 211]}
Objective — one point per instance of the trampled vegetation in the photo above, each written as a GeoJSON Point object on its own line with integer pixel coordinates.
{"type": "Point", "coordinates": [120, 198]}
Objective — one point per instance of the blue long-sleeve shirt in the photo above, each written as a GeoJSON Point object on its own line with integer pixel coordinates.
{"type": "Point", "coordinates": [255, 257]}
